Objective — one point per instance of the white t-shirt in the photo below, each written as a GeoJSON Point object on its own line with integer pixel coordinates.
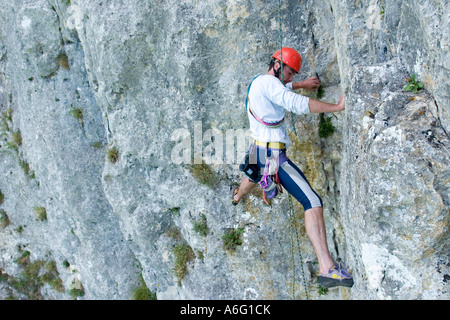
{"type": "Point", "coordinates": [269, 100]}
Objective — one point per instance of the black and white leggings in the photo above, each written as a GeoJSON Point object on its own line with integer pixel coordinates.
{"type": "Point", "coordinates": [291, 177]}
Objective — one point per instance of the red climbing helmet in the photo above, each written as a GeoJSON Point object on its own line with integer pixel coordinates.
{"type": "Point", "coordinates": [290, 57]}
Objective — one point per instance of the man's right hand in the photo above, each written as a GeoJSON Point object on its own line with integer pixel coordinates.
{"type": "Point", "coordinates": [308, 84]}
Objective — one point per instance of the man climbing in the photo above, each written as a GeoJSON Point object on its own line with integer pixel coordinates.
{"type": "Point", "coordinates": [268, 98]}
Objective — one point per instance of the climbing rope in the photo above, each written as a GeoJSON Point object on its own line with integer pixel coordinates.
{"type": "Point", "coordinates": [294, 228]}
{"type": "Point", "coordinates": [281, 40]}
{"type": "Point", "coordinates": [281, 57]}
{"type": "Point", "coordinates": [291, 207]}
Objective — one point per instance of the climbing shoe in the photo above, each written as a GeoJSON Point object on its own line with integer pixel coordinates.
{"type": "Point", "coordinates": [336, 276]}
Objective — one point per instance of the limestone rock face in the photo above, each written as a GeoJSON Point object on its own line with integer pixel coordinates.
{"type": "Point", "coordinates": [109, 109]}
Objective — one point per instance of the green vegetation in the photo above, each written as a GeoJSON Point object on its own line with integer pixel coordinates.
{"type": "Point", "coordinates": [174, 233]}
{"type": "Point", "coordinates": [17, 138]}
{"type": "Point", "coordinates": [232, 238]}
{"type": "Point", "coordinates": [175, 211]}
{"type": "Point", "coordinates": [13, 140]}
{"type": "Point", "coordinates": [5, 120]}
{"type": "Point", "coordinates": [142, 292]}
{"type": "Point", "coordinates": [200, 255]}
{"type": "Point", "coordinates": [113, 155]}
{"type": "Point", "coordinates": [413, 85]}
{"type": "Point", "coordinates": [4, 219]}
{"type": "Point", "coordinates": [2, 197]}
{"type": "Point", "coordinates": [76, 287]}
{"type": "Point", "coordinates": [41, 213]}
{"type": "Point", "coordinates": [15, 143]}
{"type": "Point", "coordinates": [183, 254]}
{"type": "Point", "coordinates": [204, 174]}
{"type": "Point", "coordinates": [97, 145]}
{"type": "Point", "coordinates": [201, 226]}
{"type": "Point", "coordinates": [26, 168]}
{"type": "Point", "coordinates": [66, 264]}
{"type": "Point", "coordinates": [322, 291]}
{"type": "Point", "coordinates": [34, 275]}
{"type": "Point", "coordinates": [326, 128]}
{"type": "Point", "coordinates": [77, 113]}
{"type": "Point", "coordinates": [76, 292]}
{"type": "Point", "coordinates": [52, 276]}
{"type": "Point", "coordinates": [320, 92]}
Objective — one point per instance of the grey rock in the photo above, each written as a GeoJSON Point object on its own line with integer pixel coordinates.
{"type": "Point", "coordinates": [165, 85]}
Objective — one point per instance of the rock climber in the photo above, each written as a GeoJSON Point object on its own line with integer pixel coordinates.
{"type": "Point", "coordinates": [268, 97]}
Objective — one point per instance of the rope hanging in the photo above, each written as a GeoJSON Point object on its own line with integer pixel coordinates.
{"type": "Point", "coordinates": [281, 58]}
{"type": "Point", "coordinates": [294, 227]}
{"type": "Point", "coordinates": [291, 207]}
{"type": "Point", "coordinates": [281, 40]}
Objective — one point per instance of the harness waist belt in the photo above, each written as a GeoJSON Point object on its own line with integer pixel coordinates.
{"type": "Point", "coordinates": [271, 145]}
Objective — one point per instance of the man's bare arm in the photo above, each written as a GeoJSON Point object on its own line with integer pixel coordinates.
{"type": "Point", "coordinates": [320, 107]}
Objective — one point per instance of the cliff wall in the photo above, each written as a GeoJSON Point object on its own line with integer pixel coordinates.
{"type": "Point", "coordinates": [109, 109]}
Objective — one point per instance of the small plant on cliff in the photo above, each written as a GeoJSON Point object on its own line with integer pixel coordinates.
{"type": "Point", "coordinates": [4, 220]}
{"type": "Point", "coordinates": [203, 174]}
{"type": "Point", "coordinates": [2, 197]}
{"type": "Point", "coordinates": [77, 113]}
{"type": "Point", "coordinates": [174, 233]}
{"type": "Point", "coordinates": [320, 92]}
{"type": "Point", "coordinates": [97, 145]}
{"type": "Point", "coordinates": [113, 155]}
{"type": "Point", "coordinates": [41, 213]}
{"type": "Point", "coordinates": [201, 226]}
{"type": "Point", "coordinates": [142, 292]}
{"type": "Point", "coordinates": [17, 138]}
{"type": "Point", "coordinates": [16, 142]}
{"type": "Point", "coordinates": [66, 264]}
{"type": "Point", "coordinates": [322, 291]}
{"type": "Point", "coordinates": [413, 85]}
{"type": "Point", "coordinates": [326, 128]}
{"type": "Point", "coordinates": [34, 276]}
{"type": "Point", "coordinates": [183, 254]}
{"type": "Point", "coordinates": [232, 238]}
{"type": "Point", "coordinates": [5, 120]}
{"type": "Point", "coordinates": [75, 292]}
{"type": "Point", "coordinates": [51, 276]}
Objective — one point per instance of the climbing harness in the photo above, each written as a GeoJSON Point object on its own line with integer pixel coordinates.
{"type": "Point", "coordinates": [267, 124]}
{"type": "Point", "coordinates": [270, 145]}
{"type": "Point", "coordinates": [270, 182]}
